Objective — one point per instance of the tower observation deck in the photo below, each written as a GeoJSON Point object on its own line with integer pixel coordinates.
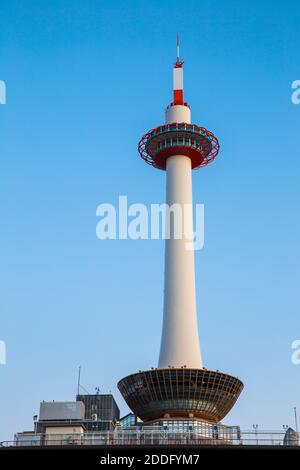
{"type": "Point", "coordinates": [180, 387]}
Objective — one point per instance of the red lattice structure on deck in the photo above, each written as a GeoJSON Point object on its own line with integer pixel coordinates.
{"type": "Point", "coordinates": [158, 144]}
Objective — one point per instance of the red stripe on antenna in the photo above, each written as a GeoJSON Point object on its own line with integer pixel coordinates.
{"type": "Point", "coordinates": [178, 96]}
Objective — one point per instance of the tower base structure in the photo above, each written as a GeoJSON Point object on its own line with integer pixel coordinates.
{"type": "Point", "coordinates": [180, 393]}
{"type": "Point", "coordinates": [193, 431]}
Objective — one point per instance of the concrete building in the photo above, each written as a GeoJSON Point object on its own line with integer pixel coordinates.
{"type": "Point", "coordinates": [102, 406]}
{"type": "Point", "coordinates": [101, 411]}
{"type": "Point", "coordinates": [62, 420]}
{"type": "Point", "coordinates": [61, 411]}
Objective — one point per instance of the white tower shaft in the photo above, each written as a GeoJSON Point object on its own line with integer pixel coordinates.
{"type": "Point", "coordinates": [180, 341]}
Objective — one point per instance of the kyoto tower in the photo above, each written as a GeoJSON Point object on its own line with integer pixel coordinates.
{"type": "Point", "coordinates": [180, 387]}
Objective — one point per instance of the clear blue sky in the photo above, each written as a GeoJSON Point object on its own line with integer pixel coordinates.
{"type": "Point", "coordinates": [85, 79]}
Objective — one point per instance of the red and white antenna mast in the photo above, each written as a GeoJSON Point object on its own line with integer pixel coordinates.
{"type": "Point", "coordinates": [178, 78]}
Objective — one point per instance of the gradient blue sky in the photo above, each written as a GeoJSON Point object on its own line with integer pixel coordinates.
{"type": "Point", "coordinates": [85, 79]}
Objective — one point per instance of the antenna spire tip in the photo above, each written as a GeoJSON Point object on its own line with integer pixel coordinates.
{"type": "Point", "coordinates": [178, 61]}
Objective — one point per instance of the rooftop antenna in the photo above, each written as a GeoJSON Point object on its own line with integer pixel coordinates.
{"type": "Point", "coordinates": [296, 419]}
{"type": "Point", "coordinates": [78, 382]}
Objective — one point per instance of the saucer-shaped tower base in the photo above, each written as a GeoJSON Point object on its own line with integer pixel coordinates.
{"type": "Point", "coordinates": [192, 393]}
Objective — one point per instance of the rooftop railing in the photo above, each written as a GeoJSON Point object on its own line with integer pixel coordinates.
{"type": "Point", "coordinates": [155, 437]}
